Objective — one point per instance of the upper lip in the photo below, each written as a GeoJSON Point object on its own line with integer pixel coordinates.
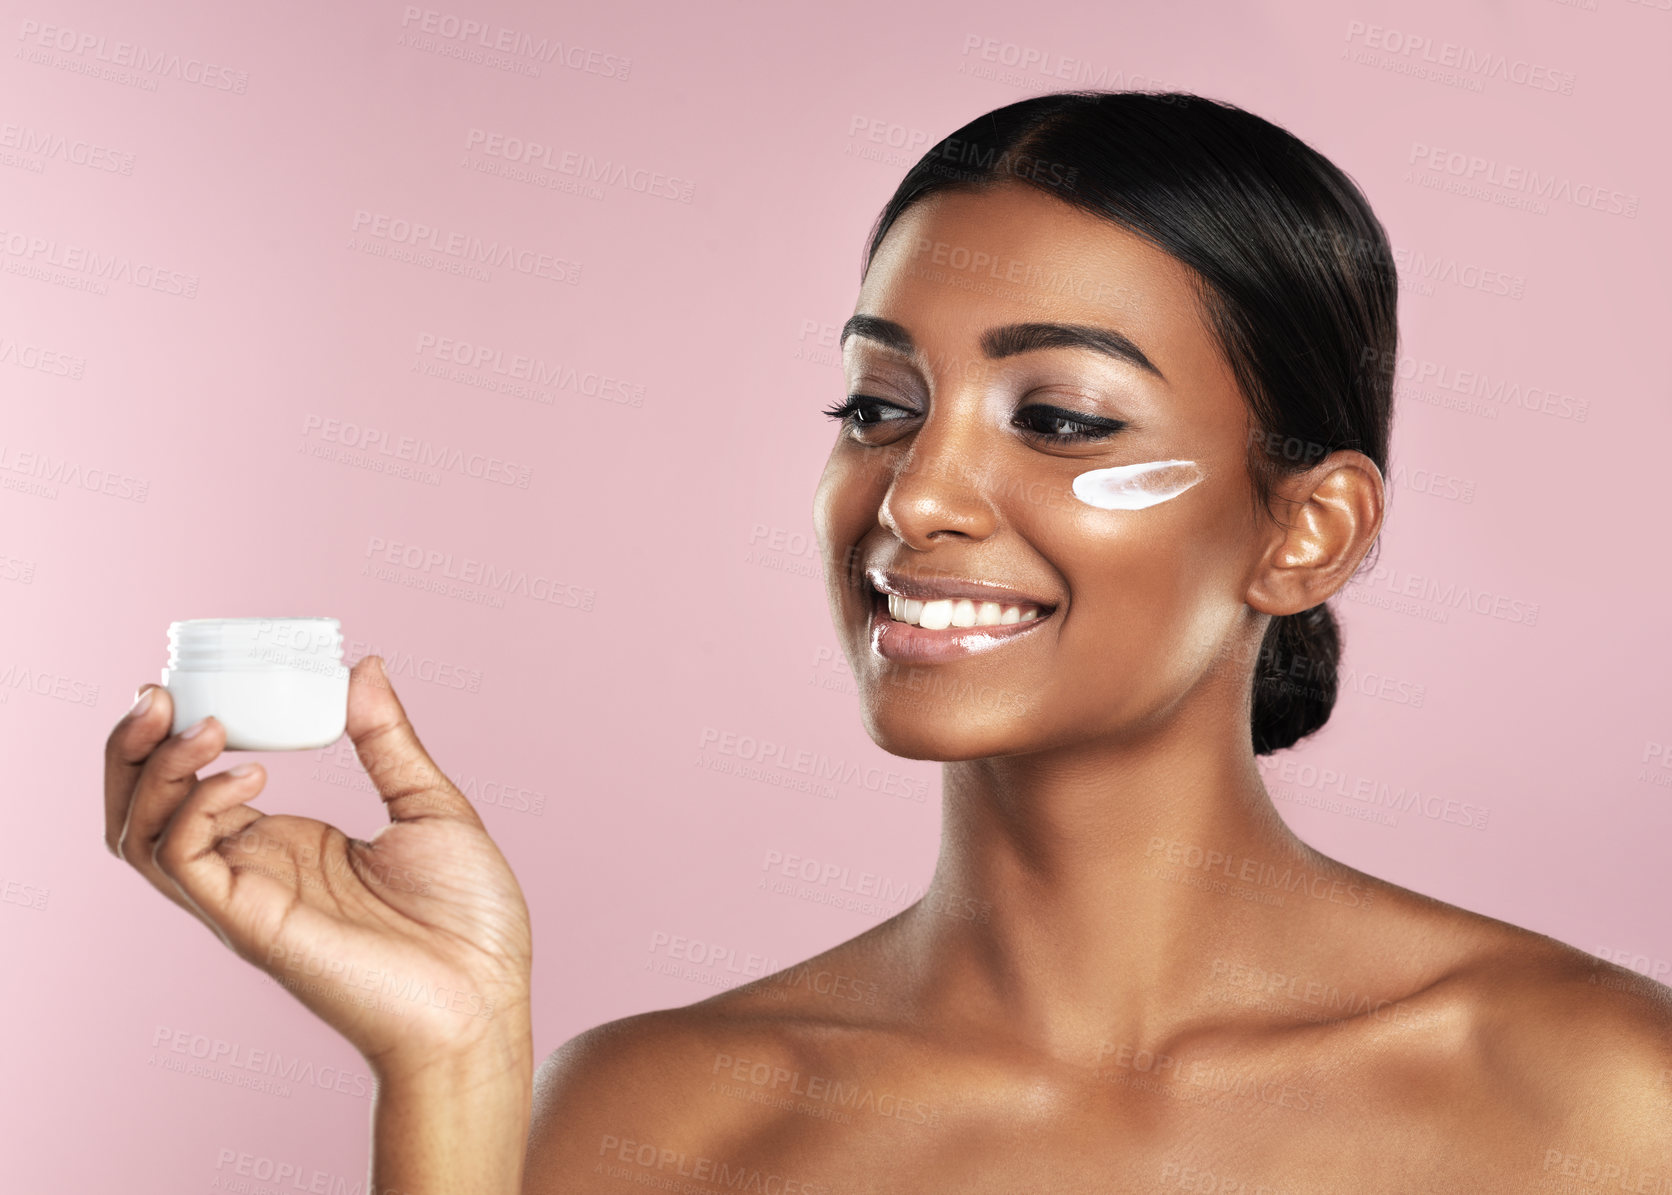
{"type": "Point", "coordinates": [926, 587]}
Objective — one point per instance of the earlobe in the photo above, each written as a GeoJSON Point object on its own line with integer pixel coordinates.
{"type": "Point", "coordinates": [1291, 577]}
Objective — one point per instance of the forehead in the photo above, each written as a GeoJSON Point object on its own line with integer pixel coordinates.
{"type": "Point", "coordinates": [957, 263]}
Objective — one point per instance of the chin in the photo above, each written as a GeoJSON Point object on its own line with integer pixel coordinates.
{"type": "Point", "coordinates": [919, 726]}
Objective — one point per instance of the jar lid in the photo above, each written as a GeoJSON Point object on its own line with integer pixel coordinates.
{"type": "Point", "coordinates": [255, 644]}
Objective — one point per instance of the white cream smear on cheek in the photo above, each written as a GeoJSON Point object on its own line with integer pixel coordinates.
{"type": "Point", "coordinates": [1133, 487]}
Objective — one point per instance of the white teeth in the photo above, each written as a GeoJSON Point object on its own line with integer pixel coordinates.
{"type": "Point", "coordinates": [956, 612]}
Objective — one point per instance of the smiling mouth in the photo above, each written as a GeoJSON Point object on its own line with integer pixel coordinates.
{"type": "Point", "coordinates": [955, 613]}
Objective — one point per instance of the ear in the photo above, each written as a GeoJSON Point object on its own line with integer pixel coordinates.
{"type": "Point", "coordinates": [1324, 521]}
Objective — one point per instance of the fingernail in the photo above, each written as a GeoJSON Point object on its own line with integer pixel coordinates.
{"type": "Point", "coordinates": [243, 769]}
{"type": "Point", "coordinates": [144, 701]}
{"type": "Point", "coordinates": [196, 728]}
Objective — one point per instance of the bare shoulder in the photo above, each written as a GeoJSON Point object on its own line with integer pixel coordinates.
{"type": "Point", "coordinates": [627, 1089]}
{"type": "Point", "coordinates": [1590, 1040]}
{"type": "Point", "coordinates": [1570, 1054]}
{"type": "Point", "coordinates": [654, 1095]}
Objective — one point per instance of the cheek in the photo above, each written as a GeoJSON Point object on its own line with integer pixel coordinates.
{"type": "Point", "coordinates": [1156, 581]}
{"type": "Point", "coordinates": [1130, 572]}
{"type": "Point", "coordinates": [846, 501]}
{"type": "Point", "coordinates": [827, 503]}
{"type": "Point", "coordinates": [1123, 538]}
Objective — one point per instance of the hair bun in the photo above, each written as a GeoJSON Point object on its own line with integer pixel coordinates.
{"type": "Point", "coordinates": [1295, 681]}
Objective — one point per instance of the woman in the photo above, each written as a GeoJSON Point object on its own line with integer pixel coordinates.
{"type": "Point", "coordinates": [1120, 379]}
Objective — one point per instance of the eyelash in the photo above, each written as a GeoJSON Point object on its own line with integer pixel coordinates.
{"type": "Point", "coordinates": [1100, 429]}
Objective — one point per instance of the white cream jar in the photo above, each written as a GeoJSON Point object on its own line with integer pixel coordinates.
{"type": "Point", "coordinates": [275, 684]}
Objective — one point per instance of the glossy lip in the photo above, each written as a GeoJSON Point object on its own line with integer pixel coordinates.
{"type": "Point", "coordinates": [902, 642]}
{"type": "Point", "coordinates": [935, 588]}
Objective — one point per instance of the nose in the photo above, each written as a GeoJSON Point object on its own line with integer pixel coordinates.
{"type": "Point", "coordinates": [941, 484]}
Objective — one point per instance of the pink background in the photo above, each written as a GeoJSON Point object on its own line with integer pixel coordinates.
{"type": "Point", "coordinates": [711, 295]}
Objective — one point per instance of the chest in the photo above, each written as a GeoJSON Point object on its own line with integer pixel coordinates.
{"type": "Point", "coordinates": [1193, 1132]}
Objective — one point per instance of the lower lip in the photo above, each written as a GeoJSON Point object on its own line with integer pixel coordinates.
{"type": "Point", "coordinates": [903, 641]}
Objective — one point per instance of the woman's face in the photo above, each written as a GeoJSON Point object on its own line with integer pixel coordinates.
{"type": "Point", "coordinates": [951, 475]}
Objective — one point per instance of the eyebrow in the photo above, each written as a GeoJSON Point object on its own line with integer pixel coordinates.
{"type": "Point", "coordinates": [1007, 340]}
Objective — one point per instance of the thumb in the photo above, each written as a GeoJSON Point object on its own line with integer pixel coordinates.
{"type": "Point", "coordinates": [410, 783]}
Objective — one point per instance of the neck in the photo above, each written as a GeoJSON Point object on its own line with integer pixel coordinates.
{"type": "Point", "coordinates": [1097, 897]}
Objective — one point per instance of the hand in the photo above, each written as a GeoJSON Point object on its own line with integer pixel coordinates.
{"type": "Point", "coordinates": [415, 945]}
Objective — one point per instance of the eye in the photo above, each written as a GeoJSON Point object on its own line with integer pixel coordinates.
{"type": "Point", "coordinates": [854, 412]}
{"type": "Point", "coordinates": [1040, 421]}
{"type": "Point", "coordinates": [1046, 423]}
